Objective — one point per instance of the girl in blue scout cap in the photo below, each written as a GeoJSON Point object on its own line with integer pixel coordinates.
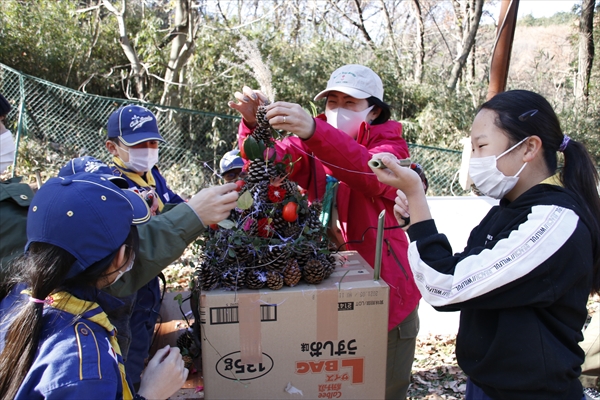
{"type": "Point", "coordinates": [55, 337]}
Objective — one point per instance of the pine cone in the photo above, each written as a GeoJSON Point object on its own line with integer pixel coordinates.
{"type": "Point", "coordinates": [291, 230]}
{"type": "Point", "coordinates": [292, 273]}
{"type": "Point", "coordinates": [257, 172]}
{"type": "Point", "coordinates": [274, 259]}
{"type": "Point", "coordinates": [234, 278]}
{"type": "Point", "coordinates": [274, 280]}
{"type": "Point", "coordinates": [261, 133]}
{"type": "Point", "coordinates": [313, 272]}
{"type": "Point", "coordinates": [185, 340]}
{"type": "Point", "coordinates": [261, 115]}
{"type": "Point", "coordinates": [209, 276]}
{"type": "Point", "coordinates": [188, 362]}
{"type": "Point", "coordinates": [290, 187]}
{"type": "Point", "coordinates": [255, 278]}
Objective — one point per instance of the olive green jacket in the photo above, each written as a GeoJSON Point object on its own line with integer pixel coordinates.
{"type": "Point", "coordinates": [15, 198]}
{"type": "Point", "coordinates": [162, 239]}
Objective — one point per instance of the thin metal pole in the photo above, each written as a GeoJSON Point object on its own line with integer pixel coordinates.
{"type": "Point", "coordinates": [379, 246]}
{"type": "Point", "coordinates": [20, 123]}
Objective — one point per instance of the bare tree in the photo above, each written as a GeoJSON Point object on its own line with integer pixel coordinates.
{"type": "Point", "coordinates": [360, 24]}
{"type": "Point", "coordinates": [468, 15]}
{"type": "Point", "coordinates": [586, 49]}
{"type": "Point", "coordinates": [419, 43]}
{"type": "Point", "coordinates": [182, 47]}
{"type": "Point", "coordinates": [137, 69]}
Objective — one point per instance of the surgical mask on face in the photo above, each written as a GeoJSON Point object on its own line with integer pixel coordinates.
{"type": "Point", "coordinates": [346, 120]}
{"type": "Point", "coordinates": [489, 179]}
{"type": "Point", "coordinates": [141, 160]}
{"type": "Point", "coordinates": [7, 151]}
{"type": "Point", "coordinates": [127, 269]}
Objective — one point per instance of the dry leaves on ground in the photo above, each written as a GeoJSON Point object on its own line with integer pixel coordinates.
{"type": "Point", "coordinates": [436, 375]}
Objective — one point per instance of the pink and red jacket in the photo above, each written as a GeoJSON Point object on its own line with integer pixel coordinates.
{"type": "Point", "coordinates": [360, 196]}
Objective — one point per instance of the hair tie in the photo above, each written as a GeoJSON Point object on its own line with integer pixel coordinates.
{"type": "Point", "coordinates": [38, 301]}
{"type": "Point", "coordinates": [564, 143]}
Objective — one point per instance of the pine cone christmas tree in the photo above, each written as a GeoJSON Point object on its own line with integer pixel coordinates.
{"type": "Point", "coordinates": [274, 236]}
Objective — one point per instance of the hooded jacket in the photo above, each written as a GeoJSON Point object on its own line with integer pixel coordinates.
{"type": "Point", "coordinates": [522, 285]}
{"type": "Point", "coordinates": [360, 196]}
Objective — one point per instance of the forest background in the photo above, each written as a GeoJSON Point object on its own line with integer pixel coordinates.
{"type": "Point", "coordinates": [433, 56]}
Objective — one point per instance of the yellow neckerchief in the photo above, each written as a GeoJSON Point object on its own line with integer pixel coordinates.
{"type": "Point", "coordinates": [91, 311]}
{"type": "Point", "coordinates": [553, 180]}
{"type": "Point", "coordinates": [138, 180]}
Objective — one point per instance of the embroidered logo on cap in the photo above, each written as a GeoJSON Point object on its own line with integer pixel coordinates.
{"type": "Point", "coordinates": [138, 122]}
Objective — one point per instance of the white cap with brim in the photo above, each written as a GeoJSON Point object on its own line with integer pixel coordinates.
{"type": "Point", "coordinates": [354, 80]}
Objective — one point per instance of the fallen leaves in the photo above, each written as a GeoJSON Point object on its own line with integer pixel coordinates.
{"type": "Point", "coordinates": [436, 375]}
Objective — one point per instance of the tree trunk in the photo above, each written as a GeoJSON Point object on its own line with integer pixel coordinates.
{"type": "Point", "coordinates": [419, 43]}
{"type": "Point", "coordinates": [391, 39]}
{"type": "Point", "coordinates": [472, 18]}
{"type": "Point", "coordinates": [137, 70]}
{"type": "Point", "coordinates": [182, 47]}
{"type": "Point", "coordinates": [586, 49]}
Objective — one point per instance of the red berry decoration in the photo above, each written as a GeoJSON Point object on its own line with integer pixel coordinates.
{"type": "Point", "coordinates": [214, 226]}
{"type": "Point", "coordinates": [290, 212]}
{"type": "Point", "coordinates": [276, 194]}
{"type": "Point", "coordinates": [240, 184]}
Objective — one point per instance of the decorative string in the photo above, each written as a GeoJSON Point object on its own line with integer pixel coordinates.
{"type": "Point", "coordinates": [330, 164]}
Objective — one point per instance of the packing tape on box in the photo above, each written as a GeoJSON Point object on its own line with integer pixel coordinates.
{"type": "Point", "coordinates": [327, 311]}
{"type": "Point", "coordinates": [249, 326]}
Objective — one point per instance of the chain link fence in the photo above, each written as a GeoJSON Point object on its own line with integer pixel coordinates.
{"type": "Point", "coordinates": [66, 123]}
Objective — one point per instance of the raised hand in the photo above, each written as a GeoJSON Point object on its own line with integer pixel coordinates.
{"type": "Point", "coordinates": [291, 117]}
{"type": "Point", "coordinates": [213, 204]}
{"type": "Point", "coordinates": [164, 375]}
{"type": "Point", "coordinates": [247, 103]}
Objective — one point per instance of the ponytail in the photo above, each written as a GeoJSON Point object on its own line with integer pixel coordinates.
{"type": "Point", "coordinates": [42, 270]}
{"type": "Point", "coordinates": [581, 176]}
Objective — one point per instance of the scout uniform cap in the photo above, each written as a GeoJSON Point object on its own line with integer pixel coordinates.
{"type": "Point", "coordinates": [231, 160]}
{"type": "Point", "coordinates": [93, 166]}
{"type": "Point", "coordinates": [355, 80]}
{"type": "Point", "coordinates": [133, 125]}
{"type": "Point", "coordinates": [84, 214]}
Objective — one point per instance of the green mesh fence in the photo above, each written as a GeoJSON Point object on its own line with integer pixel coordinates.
{"type": "Point", "coordinates": [70, 123]}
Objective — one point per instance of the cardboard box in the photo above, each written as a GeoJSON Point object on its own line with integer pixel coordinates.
{"type": "Point", "coordinates": [326, 341]}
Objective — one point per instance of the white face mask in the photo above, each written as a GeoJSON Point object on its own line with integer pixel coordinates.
{"type": "Point", "coordinates": [121, 272]}
{"type": "Point", "coordinates": [346, 120]}
{"type": "Point", "coordinates": [489, 179]}
{"type": "Point", "coordinates": [141, 160]}
{"type": "Point", "coordinates": [7, 151]}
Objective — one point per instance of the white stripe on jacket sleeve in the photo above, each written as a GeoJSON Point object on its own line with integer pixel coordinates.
{"type": "Point", "coordinates": [546, 230]}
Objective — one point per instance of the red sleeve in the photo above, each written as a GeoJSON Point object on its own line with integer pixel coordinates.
{"type": "Point", "coordinates": [347, 159]}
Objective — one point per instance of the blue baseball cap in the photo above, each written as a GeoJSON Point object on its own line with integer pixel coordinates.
{"type": "Point", "coordinates": [133, 124]}
{"type": "Point", "coordinates": [231, 160]}
{"type": "Point", "coordinates": [84, 214]}
{"type": "Point", "coordinates": [93, 166]}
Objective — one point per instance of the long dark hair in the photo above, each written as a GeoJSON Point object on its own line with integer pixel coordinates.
{"type": "Point", "coordinates": [42, 269]}
{"type": "Point", "coordinates": [521, 113]}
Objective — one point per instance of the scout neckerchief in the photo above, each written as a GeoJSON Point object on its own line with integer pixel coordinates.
{"type": "Point", "coordinates": [67, 302]}
{"type": "Point", "coordinates": [137, 179]}
{"type": "Point", "coordinates": [553, 180]}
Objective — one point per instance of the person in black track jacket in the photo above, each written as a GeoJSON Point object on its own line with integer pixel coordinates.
{"type": "Point", "coordinates": [523, 281]}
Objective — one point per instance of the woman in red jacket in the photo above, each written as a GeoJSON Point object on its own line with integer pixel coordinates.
{"type": "Point", "coordinates": [340, 143]}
